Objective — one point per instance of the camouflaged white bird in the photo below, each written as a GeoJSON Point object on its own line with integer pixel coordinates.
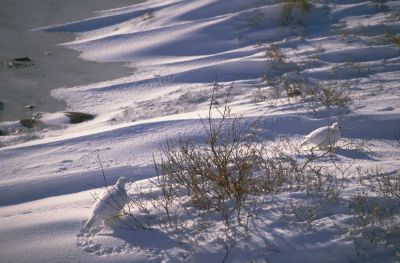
{"type": "Point", "coordinates": [324, 137]}
{"type": "Point", "coordinates": [109, 204]}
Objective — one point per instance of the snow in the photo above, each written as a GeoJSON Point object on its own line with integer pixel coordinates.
{"type": "Point", "coordinates": [176, 50]}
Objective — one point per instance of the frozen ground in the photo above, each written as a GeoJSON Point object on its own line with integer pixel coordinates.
{"type": "Point", "coordinates": [178, 49]}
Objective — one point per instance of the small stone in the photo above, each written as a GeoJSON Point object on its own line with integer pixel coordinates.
{"type": "Point", "coordinates": [24, 59]}
{"type": "Point", "coordinates": [29, 107]}
{"type": "Point", "coordinates": [37, 115]}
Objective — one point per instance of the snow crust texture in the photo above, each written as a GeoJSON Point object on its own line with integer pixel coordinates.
{"type": "Point", "coordinates": [177, 50]}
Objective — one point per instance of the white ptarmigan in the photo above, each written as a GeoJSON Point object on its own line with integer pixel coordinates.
{"type": "Point", "coordinates": [323, 137]}
{"type": "Point", "coordinates": [110, 203]}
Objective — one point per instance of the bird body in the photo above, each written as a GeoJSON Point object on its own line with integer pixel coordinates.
{"type": "Point", "coordinates": [110, 203]}
{"type": "Point", "coordinates": [323, 137]}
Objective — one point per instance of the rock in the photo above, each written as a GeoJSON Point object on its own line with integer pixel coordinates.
{"type": "Point", "coordinates": [2, 132]}
{"type": "Point", "coordinates": [78, 117]}
{"type": "Point", "coordinates": [18, 63]}
{"type": "Point", "coordinates": [29, 107]}
{"type": "Point", "coordinates": [28, 123]}
{"type": "Point", "coordinates": [1, 105]}
{"type": "Point", "coordinates": [37, 115]}
{"type": "Point", "coordinates": [24, 59]}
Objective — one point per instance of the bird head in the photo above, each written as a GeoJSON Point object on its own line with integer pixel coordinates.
{"type": "Point", "coordinates": [336, 126]}
{"type": "Point", "coordinates": [122, 181]}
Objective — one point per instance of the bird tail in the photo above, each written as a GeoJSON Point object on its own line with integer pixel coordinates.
{"type": "Point", "coordinates": [90, 222]}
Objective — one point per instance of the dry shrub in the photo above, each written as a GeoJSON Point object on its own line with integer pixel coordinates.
{"type": "Point", "coordinates": [330, 94]}
{"type": "Point", "coordinates": [218, 172]}
{"type": "Point", "coordinates": [295, 11]}
{"type": "Point", "coordinates": [377, 214]}
{"type": "Point", "coordinates": [231, 172]}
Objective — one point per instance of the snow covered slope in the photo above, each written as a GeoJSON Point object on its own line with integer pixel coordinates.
{"type": "Point", "coordinates": [177, 49]}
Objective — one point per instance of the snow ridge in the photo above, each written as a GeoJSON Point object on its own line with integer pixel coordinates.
{"type": "Point", "coordinates": [177, 50]}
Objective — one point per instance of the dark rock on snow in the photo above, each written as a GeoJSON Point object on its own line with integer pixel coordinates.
{"type": "Point", "coordinates": [78, 117]}
{"type": "Point", "coordinates": [18, 62]}
{"type": "Point", "coordinates": [28, 123]}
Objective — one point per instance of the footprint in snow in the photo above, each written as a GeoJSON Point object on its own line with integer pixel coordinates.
{"type": "Point", "coordinates": [93, 242]}
{"type": "Point", "coordinates": [65, 164]}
